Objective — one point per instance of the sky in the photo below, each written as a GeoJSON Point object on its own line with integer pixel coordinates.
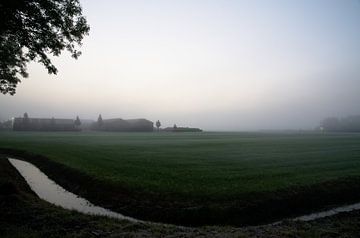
{"type": "Point", "coordinates": [218, 65]}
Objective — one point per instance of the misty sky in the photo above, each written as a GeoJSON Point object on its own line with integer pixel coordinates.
{"type": "Point", "coordinates": [218, 65]}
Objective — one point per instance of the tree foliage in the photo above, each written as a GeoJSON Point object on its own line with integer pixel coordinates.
{"type": "Point", "coordinates": [100, 121]}
{"type": "Point", "coordinates": [26, 119]}
{"type": "Point", "coordinates": [32, 30]}
{"type": "Point", "coordinates": [77, 121]}
{"type": "Point", "coordinates": [345, 124]}
{"type": "Point", "coordinates": [158, 124]}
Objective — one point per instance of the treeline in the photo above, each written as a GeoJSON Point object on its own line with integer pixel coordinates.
{"type": "Point", "coordinates": [345, 124]}
{"type": "Point", "coordinates": [6, 125]}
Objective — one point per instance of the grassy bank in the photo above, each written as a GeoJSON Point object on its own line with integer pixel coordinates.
{"type": "Point", "coordinates": [24, 215]}
{"type": "Point", "coordinates": [206, 178]}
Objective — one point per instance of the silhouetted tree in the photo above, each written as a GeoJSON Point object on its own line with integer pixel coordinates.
{"type": "Point", "coordinates": [175, 126]}
{"type": "Point", "coordinates": [6, 125]}
{"type": "Point", "coordinates": [346, 124]}
{"type": "Point", "coordinates": [77, 121]}
{"type": "Point", "coordinates": [30, 30]}
{"type": "Point", "coordinates": [26, 120]}
{"type": "Point", "coordinates": [100, 121]}
{"type": "Point", "coordinates": [350, 123]}
{"type": "Point", "coordinates": [331, 124]}
{"type": "Point", "coordinates": [158, 124]}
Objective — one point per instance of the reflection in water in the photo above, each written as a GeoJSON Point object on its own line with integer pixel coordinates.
{"type": "Point", "coordinates": [331, 212]}
{"type": "Point", "coordinates": [49, 191]}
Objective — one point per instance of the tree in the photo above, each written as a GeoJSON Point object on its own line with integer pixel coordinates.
{"type": "Point", "coordinates": [175, 126]}
{"type": "Point", "coordinates": [158, 124]}
{"type": "Point", "coordinates": [26, 120]}
{"type": "Point", "coordinates": [26, 116]}
{"type": "Point", "coordinates": [100, 121]}
{"type": "Point", "coordinates": [345, 124]}
{"type": "Point", "coordinates": [33, 30]}
{"type": "Point", "coordinates": [331, 124]}
{"type": "Point", "coordinates": [6, 125]}
{"type": "Point", "coordinates": [77, 121]}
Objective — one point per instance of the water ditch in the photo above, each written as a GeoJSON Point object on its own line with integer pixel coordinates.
{"type": "Point", "coordinates": [51, 192]}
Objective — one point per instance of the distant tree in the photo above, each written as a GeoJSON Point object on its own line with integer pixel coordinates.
{"type": "Point", "coordinates": [31, 30]}
{"type": "Point", "coordinates": [331, 124]}
{"type": "Point", "coordinates": [77, 121]}
{"type": "Point", "coordinates": [175, 126]}
{"type": "Point", "coordinates": [346, 124]}
{"type": "Point", "coordinates": [6, 125]}
{"type": "Point", "coordinates": [2, 125]}
{"type": "Point", "coordinates": [100, 121]}
{"type": "Point", "coordinates": [26, 120]}
{"type": "Point", "coordinates": [351, 123]}
{"type": "Point", "coordinates": [158, 124]}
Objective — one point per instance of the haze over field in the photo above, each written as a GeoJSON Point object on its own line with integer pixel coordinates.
{"type": "Point", "coordinates": [218, 65]}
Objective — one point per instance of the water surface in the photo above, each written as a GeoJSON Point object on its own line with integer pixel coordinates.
{"type": "Point", "coordinates": [51, 192]}
{"type": "Point", "coordinates": [331, 212]}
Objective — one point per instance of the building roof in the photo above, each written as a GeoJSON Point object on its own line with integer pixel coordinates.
{"type": "Point", "coordinates": [131, 121]}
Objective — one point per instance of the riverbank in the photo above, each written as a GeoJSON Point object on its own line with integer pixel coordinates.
{"type": "Point", "coordinates": [251, 210]}
{"type": "Point", "coordinates": [24, 215]}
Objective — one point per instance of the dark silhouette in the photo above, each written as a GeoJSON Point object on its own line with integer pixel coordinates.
{"type": "Point", "coordinates": [158, 124]}
{"type": "Point", "coordinates": [31, 30]}
{"type": "Point", "coordinates": [118, 124]}
{"type": "Point", "coordinates": [26, 120]}
{"type": "Point", "coordinates": [42, 124]}
{"type": "Point", "coordinates": [77, 121]}
{"type": "Point", "coordinates": [346, 124]}
{"type": "Point", "coordinates": [100, 121]}
{"type": "Point", "coordinates": [175, 126]}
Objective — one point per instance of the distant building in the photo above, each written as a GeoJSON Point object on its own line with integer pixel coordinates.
{"type": "Point", "coordinates": [43, 124]}
{"type": "Point", "coordinates": [86, 124]}
{"type": "Point", "coordinates": [118, 124]}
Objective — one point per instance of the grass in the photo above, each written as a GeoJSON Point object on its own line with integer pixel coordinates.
{"type": "Point", "coordinates": [24, 215]}
{"type": "Point", "coordinates": [196, 168]}
{"type": "Point", "coordinates": [207, 164]}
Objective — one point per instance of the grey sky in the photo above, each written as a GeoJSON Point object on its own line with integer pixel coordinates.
{"type": "Point", "coordinates": [219, 65]}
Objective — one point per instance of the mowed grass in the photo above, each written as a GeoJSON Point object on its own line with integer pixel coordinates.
{"type": "Point", "coordinates": [216, 165]}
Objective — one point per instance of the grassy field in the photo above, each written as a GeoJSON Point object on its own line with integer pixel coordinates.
{"type": "Point", "coordinates": [218, 167]}
{"type": "Point", "coordinates": [24, 215]}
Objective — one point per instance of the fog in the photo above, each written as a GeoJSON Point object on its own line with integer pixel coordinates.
{"type": "Point", "coordinates": [217, 65]}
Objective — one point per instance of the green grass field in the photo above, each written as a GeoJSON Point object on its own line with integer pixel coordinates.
{"type": "Point", "coordinates": [205, 164]}
{"type": "Point", "coordinates": [24, 215]}
{"type": "Point", "coordinates": [199, 166]}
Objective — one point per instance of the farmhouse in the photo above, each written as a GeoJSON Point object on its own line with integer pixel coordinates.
{"type": "Point", "coordinates": [118, 124]}
{"type": "Point", "coordinates": [43, 124]}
